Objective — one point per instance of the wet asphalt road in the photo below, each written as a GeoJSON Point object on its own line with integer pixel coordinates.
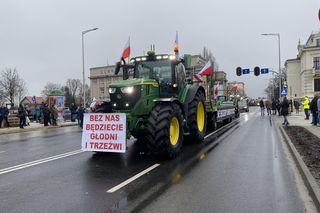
{"type": "Point", "coordinates": [243, 170]}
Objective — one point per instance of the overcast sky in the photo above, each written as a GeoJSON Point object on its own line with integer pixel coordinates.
{"type": "Point", "coordinates": [42, 38]}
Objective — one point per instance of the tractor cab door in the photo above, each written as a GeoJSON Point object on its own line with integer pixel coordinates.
{"type": "Point", "coordinates": [172, 81]}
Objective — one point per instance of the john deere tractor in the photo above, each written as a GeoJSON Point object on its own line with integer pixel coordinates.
{"type": "Point", "coordinates": [162, 104]}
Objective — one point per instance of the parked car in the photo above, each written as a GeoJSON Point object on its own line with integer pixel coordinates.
{"type": "Point", "coordinates": [243, 106]}
{"type": "Point", "coordinates": [66, 113]}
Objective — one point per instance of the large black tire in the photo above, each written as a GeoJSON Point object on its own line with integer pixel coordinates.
{"type": "Point", "coordinates": [164, 133]}
{"type": "Point", "coordinates": [197, 131]}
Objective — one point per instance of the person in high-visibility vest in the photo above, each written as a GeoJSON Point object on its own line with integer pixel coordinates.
{"type": "Point", "coordinates": [306, 107]}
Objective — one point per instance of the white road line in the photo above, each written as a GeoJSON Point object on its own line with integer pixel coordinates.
{"type": "Point", "coordinates": [2, 152]}
{"type": "Point", "coordinates": [37, 162]}
{"type": "Point", "coordinates": [124, 183]}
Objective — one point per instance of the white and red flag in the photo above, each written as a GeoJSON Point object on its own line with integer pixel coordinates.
{"type": "Point", "coordinates": [234, 88]}
{"type": "Point", "coordinates": [216, 91]}
{"type": "Point", "coordinates": [207, 69]}
{"type": "Point", "coordinates": [126, 50]}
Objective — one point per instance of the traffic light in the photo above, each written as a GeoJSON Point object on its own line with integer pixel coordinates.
{"type": "Point", "coordinates": [239, 71]}
{"type": "Point", "coordinates": [256, 71]}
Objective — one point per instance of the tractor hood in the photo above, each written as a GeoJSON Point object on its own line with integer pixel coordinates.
{"type": "Point", "coordinates": [133, 82]}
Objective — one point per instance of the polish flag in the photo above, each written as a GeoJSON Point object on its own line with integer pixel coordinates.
{"type": "Point", "coordinates": [234, 88]}
{"type": "Point", "coordinates": [197, 77]}
{"type": "Point", "coordinates": [207, 69]}
{"type": "Point", "coordinates": [216, 91]}
{"type": "Point", "coordinates": [126, 50]}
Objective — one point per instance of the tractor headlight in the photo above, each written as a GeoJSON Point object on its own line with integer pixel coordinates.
{"type": "Point", "coordinates": [127, 90]}
{"type": "Point", "coordinates": [112, 90]}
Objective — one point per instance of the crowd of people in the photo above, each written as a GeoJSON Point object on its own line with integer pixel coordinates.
{"type": "Point", "coordinates": [284, 107]}
{"type": "Point", "coordinates": [43, 114]}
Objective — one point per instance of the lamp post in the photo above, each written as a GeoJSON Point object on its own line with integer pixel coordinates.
{"type": "Point", "coordinates": [83, 69]}
{"type": "Point", "coordinates": [280, 77]}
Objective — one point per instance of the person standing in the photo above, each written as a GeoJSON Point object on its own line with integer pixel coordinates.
{"type": "Point", "coordinates": [73, 110]}
{"type": "Point", "coordinates": [22, 116]}
{"type": "Point", "coordinates": [296, 106]}
{"type": "Point", "coordinates": [314, 110]}
{"type": "Point", "coordinates": [4, 112]}
{"type": "Point", "coordinates": [268, 106]}
{"type": "Point", "coordinates": [37, 114]}
{"type": "Point", "coordinates": [285, 111]}
{"type": "Point", "coordinates": [306, 107]}
{"type": "Point", "coordinates": [54, 115]}
{"type": "Point", "coordinates": [80, 115]}
{"type": "Point", "coordinates": [46, 114]}
{"type": "Point", "coordinates": [261, 104]}
{"type": "Point", "coordinates": [273, 106]}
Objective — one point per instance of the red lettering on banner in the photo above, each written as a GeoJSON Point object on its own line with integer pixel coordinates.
{"type": "Point", "coordinates": [116, 146]}
{"type": "Point", "coordinates": [95, 117]}
{"type": "Point", "coordinates": [111, 117]}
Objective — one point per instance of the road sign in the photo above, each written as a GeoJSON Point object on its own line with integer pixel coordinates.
{"type": "Point", "coordinates": [245, 71]}
{"type": "Point", "coordinates": [264, 70]}
{"type": "Point", "coordinates": [284, 91]}
{"type": "Point", "coordinates": [34, 99]}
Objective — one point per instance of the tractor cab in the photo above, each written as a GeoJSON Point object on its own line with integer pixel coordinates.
{"type": "Point", "coordinates": [165, 70]}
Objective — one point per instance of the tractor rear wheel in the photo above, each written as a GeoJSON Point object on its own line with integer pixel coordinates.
{"type": "Point", "coordinates": [164, 132]}
{"type": "Point", "coordinates": [197, 118]}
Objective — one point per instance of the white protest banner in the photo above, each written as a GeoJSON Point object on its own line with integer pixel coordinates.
{"type": "Point", "coordinates": [104, 132]}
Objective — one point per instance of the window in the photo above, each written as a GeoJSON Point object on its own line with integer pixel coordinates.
{"type": "Point", "coordinates": [318, 42]}
{"type": "Point", "coordinates": [101, 90]}
{"type": "Point", "coordinates": [316, 63]}
{"type": "Point", "coordinates": [316, 85]}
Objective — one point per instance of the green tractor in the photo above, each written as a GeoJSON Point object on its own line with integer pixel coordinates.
{"type": "Point", "coordinates": [161, 103]}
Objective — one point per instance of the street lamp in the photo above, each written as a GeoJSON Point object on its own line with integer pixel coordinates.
{"type": "Point", "coordinates": [278, 35]}
{"type": "Point", "coordinates": [83, 69]}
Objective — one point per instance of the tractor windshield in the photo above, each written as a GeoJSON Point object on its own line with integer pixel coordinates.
{"type": "Point", "coordinates": [159, 70]}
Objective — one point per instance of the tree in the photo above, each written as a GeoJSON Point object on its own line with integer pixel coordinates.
{"type": "Point", "coordinates": [87, 92]}
{"type": "Point", "coordinates": [68, 97]}
{"type": "Point", "coordinates": [11, 85]}
{"type": "Point", "coordinates": [208, 55]}
{"type": "Point", "coordinates": [49, 87]}
{"type": "Point", "coordinates": [74, 87]}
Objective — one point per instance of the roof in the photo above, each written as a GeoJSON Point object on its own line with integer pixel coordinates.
{"type": "Point", "coordinates": [39, 100]}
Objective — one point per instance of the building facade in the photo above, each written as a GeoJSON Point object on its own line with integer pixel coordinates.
{"type": "Point", "coordinates": [100, 79]}
{"type": "Point", "coordinates": [303, 72]}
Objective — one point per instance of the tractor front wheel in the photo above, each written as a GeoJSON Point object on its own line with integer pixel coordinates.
{"type": "Point", "coordinates": [164, 132]}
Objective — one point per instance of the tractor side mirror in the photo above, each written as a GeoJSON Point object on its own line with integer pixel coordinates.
{"type": "Point", "coordinates": [117, 69]}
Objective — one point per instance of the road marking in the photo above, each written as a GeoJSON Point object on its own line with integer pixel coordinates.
{"type": "Point", "coordinates": [37, 162]}
{"type": "Point", "coordinates": [124, 183]}
{"type": "Point", "coordinates": [2, 152]}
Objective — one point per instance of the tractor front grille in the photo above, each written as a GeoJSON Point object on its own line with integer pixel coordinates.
{"type": "Point", "coordinates": [123, 101]}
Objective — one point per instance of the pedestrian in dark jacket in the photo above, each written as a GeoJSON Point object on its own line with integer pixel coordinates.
{"type": "Point", "coordinates": [273, 106]}
{"type": "Point", "coordinates": [278, 106]}
{"type": "Point", "coordinates": [285, 110]}
{"type": "Point", "coordinates": [261, 104]}
{"type": "Point", "coordinates": [314, 110]}
{"type": "Point", "coordinates": [73, 110]}
{"type": "Point", "coordinates": [22, 116]}
{"type": "Point", "coordinates": [296, 106]}
{"type": "Point", "coordinates": [81, 112]}
{"type": "Point", "coordinates": [46, 114]}
{"type": "Point", "coordinates": [4, 112]}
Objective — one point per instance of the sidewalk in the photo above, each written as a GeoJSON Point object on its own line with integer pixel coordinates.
{"type": "Point", "coordinates": [299, 120]}
{"type": "Point", "coordinates": [35, 126]}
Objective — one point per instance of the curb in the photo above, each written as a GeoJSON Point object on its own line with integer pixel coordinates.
{"type": "Point", "coordinates": [308, 179]}
{"type": "Point", "coordinates": [35, 129]}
